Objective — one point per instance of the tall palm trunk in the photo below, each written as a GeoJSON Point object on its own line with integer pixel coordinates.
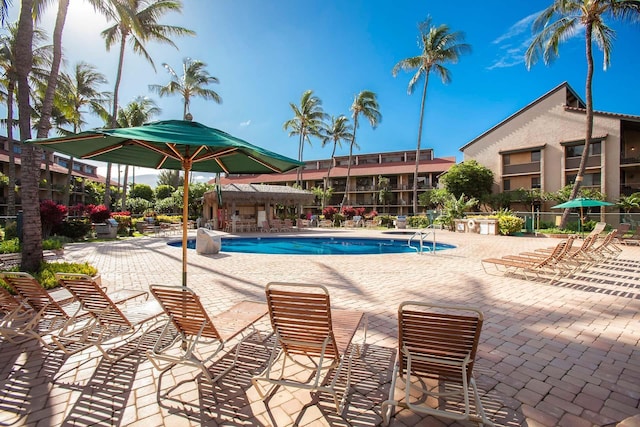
{"type": "Point", "coordinates": [415, 174]}
{"type": "Point", "coordinates": [52, 81]}
{"type": "Point", "coordinates": [11, 193]}
{"type": "Point", "coordinates": [124, 188]}
{"type": "Point", "coordinates": [300, 146]}
{"type": "Point", "coordinates": [326, 181]}
{"type": "Point", "coordinates": [353, 140]}
{"type": "Point", "coordinates": [589, 122]}
{"type": "Point", "coordinates": [114, 115]}
{"type": "Point", "coordinates": [67, 187]}
{"type": "Point", "coordinates": [31, 226]}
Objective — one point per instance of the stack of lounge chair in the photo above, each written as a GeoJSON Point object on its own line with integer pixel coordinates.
{"type": "Point", "coordinates": [561, 260]}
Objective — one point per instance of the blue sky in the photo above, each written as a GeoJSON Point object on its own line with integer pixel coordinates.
{"type": "Point", "coordinates": [266, 54]}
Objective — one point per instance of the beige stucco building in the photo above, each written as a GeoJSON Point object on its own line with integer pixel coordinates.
{"type": "Point", "coordinates": [540, 147]}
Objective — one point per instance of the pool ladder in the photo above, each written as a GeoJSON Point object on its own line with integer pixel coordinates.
{"type": "Point", "coordinates": [421, 236]}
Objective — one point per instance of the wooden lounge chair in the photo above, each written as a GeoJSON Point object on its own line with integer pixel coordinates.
{"type": "Point", "coordinates": [311, 336]}
{"type": "Point", "coordinates": [622, 229]}
{"type": "Point", "coordinates": [51, 311]}
{"type": "Point", "coordinates": [634, 239]}
{"type": "Point", "coordinates": [436, 353]}
{"type": "Point", "coordinates": [528, 265]}
{"type": "Point", "coordinates": [15, 316]}
{"type": "Point", "coordinates": [192, 337]}
{"type": "Point", "coordinates": [109, 323]}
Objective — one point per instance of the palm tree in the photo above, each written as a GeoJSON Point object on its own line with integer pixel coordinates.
{"type": "Point", "coordinates": [30, 159]}
{"type": "Point", "coordinates": [136, 113]}
{"type": "Point", "coordinates": [192, 83]}
{"type": "Point", "coordinates": [439, 46]}
{"type": "Point", "coordinates": [135, 21]}
{"type": "Point", "coordinates": [80, 90]}
{"type": "Point", "coordinates": [564, 19]}
{"type": "Point", "coordinates": [335, 132]}
{"type": "Point", "coordinates": [364, 103]}
{"type": "Point", "coordinates": [306, 122]}
{"type": "Point", "coordinates": [4, 10]}
{"type": "Point", "coordinates": [41, 57]}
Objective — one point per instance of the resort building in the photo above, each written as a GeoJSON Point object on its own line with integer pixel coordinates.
{"type": "Point", "coordinates": [540, 147]}
{"type": "Point", "coordinates": [366, 170]}
{"type": "Point", "coordinates": [59, 169]}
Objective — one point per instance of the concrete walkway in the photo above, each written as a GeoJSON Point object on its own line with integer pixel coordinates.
{"type": "Point", "coordinates": [565, 354]}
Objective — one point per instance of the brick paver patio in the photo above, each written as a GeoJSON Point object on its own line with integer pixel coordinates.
{"type": "Point", "coordinates": [565, 354]}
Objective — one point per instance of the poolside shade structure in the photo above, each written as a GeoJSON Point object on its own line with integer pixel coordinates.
{"type": "Point", "coordinates": [172, 144]}
{"type": "Point", "coordinates": [581, 202]}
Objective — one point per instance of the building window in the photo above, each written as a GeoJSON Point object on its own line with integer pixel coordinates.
{"type": "Point", "coordinates": [535, 182]}
{"type": "Point", "coordinates": [77, 167]}
{"type": "Point", "coordinates": [589, 179]}
{"type": "Point", "coordinates": [535, 156]}
{"type": "Point", "coordinates": [17, 149]}
{"type": "Point", "coordinates": [506, 159]}
{"type": "Point", "coordinates": [595, 149]}
{"type": "Point", "coordinates": [506, 185]}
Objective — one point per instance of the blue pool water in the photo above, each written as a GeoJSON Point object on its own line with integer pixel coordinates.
{"type": "Point", "coordinates": [313, 245]}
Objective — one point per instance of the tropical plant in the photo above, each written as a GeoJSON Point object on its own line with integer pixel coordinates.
{"type": "Point", "coordinates": [41, 58]}
{"type": "Point", "coordinates": [365, 103]}
{"type": "Point", "coordinates": [438, 46]}
{"type": "Point", "coordinates": [384, 190]}
{"type": "Point", "coordinates": [307, 121]}
{"type": "Point", "coordinates": [563, 20]}
{"type": "Point", "coordinates": [51, 216]}
{"type": "Point", "coordinates": [455, 208]}
{"type": "Point", "coordinates": [77, 91]}
{"type": "Point", "coordinates": [164, 191]}
{"type": "Point", "coordinates": [136, 113]}
{"type": "Point", "coordinates": [470, 178]}
{"type": "Point", "coordinates": [628, 203]}
{"type": "Point", "coordinates": [191, 83]}
{"type": "Point", "coordinates": [136, 21]}
{"type": "Point", "coordinates": [99, 214]}
{"type": "Point", "coordinates": [335, 132]}
{"type": "Point", "coordinates": [170, 177]}
{"type": "Point", "coordinates": [142, 191]}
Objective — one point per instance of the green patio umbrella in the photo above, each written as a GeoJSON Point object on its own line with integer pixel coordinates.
{"type": "Point", "coordinates": [581, 202]}
{"type": "Point", "coordinates": [172, 144]}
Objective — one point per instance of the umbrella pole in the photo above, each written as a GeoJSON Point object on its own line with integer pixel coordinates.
{"type": "Point", "coordinates": [185, 218]}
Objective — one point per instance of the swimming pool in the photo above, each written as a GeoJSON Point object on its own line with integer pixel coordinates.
{"type": "Point", "coordinates": [313, 245]}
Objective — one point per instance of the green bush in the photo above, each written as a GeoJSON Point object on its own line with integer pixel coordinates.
{"type": "Point", "coordinates": [418, 221]}
{"type": "Point", "coordinates": [52, 244]}
{"type": "Point", "coordinates": [509, 224]}
{"type": "Point", "coordinates": [10, 246]}
{"type": "Point", "coordinates": [11, 230]}
{"type": "Point", "coordinates": [46, 275]}
{"type": "Point", "coordinates": [171, 219]}
{"type": "Point", "coordinates": [48, 270]}
{"type": "Point", "coordinates": [138, 205]}
{"type": "Point", "coordinates": [75, 229]}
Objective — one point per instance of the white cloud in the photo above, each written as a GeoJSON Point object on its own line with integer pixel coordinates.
{"type": "Point", "coordinates": [513, 43]}
{"type": "Point", "coordinates": [245, 124]}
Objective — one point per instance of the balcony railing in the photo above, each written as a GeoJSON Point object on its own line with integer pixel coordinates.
{"type": "Point", "coordinates": [521, 168]}
{"type": "Point", "coordinates": [630, 160]}
{"type": "Point", "coordinates": [574, 162]}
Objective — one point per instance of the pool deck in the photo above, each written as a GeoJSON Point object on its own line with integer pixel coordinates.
{"type": "Point", "coordinates": [565, 354]}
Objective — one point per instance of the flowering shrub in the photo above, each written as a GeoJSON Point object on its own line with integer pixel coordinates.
{"type": "Point", "coordinates": [99, 214]}
{"type": "Point", "coordinates": [348, 211]}
{"type": "Point", "coordinates": [329, 212]}
{"type": "Point", "coordinates": [51, 215]}
{"type": "Point", "coordinates": [371, 215]}
{"type": "Point", "coordinates": [81, 210]}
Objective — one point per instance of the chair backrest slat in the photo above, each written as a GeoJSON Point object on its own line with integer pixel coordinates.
{"type": "Point", "coordinates": [8, 303]}
{"type": "Point", "coordinates": [302, 318]}
{"type": "Point", "coordinates": [424, 332]}
{"type": "Point", "coordinates": [93, 298]}
{"type": "Point", "coordinates": [32, 291]}
{"type": "Point", "coordinates": [186, 311]}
